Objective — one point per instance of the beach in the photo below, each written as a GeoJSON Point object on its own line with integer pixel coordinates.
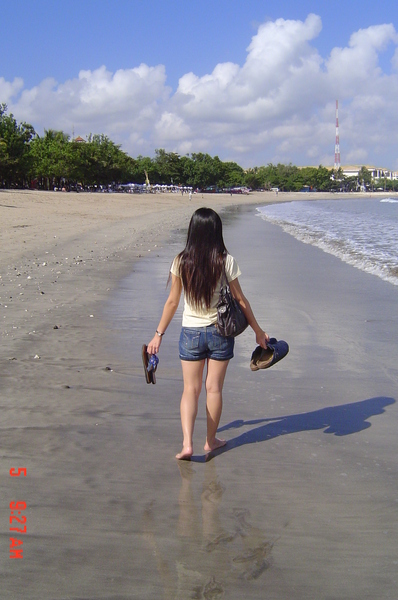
{"type": "Point", "coordinates": [301, 503]}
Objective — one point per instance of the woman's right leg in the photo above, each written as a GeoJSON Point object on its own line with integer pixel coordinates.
{"type": "Point", "coordinates": [192, 372]}
{"type": "Point", "coordinates": [216, 370]}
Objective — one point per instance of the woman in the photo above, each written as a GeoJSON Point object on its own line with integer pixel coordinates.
{"type": "Point", "coordinates": [197, 270]}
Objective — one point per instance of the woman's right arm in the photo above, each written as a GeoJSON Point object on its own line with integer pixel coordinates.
{"type": "Point", "coordinates": [169, 310]}
{"type": "Point", "coordinates": [261, 337]}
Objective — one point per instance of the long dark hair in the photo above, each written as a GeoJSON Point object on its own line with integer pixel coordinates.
{"type": "Point", "coordinates": [201, 261]}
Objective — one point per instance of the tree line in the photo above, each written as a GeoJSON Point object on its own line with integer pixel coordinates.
{"type": "Point", "coordinates": [54, 160]}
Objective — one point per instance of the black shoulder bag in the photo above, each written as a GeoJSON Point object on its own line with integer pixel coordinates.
{"type": "Point", "coordinates": [231, 320]}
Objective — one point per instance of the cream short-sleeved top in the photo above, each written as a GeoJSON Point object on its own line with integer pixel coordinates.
{"type": "Point", "coordinates": [193, 317]}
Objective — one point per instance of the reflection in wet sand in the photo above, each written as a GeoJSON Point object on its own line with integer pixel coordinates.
{"type": "Point", "coordinates": [213, 550]}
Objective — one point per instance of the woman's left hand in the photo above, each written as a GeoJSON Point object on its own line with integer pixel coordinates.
{"type": "Point", "coordinates": [154, 344]}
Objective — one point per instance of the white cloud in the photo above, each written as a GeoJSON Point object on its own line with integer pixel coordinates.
{"type": "Point", "coordinates": [394, 60]}
{"type": "Point", "coordinates": [98, 101]}
{"type": "Point", "coordinates": [278, 54]}
{"type": "Point", "coordinates": [171, 127]}
{"type": "Point", "coordinates": [354, 68]}
{"type": "Point", "coordinates": [277, 106]}
{"type": "Point", "coordinates": [9, 89]}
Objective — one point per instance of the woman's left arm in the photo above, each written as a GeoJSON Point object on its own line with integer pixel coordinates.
{"type": "Point", "coordinates": [169, 310]}
{"type": "Point", "coordinates": [261, 337]}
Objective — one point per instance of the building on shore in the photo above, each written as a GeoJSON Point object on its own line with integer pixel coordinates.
{"type": "Point", "coordinates": [375, 172]}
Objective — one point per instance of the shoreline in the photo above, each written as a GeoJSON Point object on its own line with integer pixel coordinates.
{"type": "Point", "coordinates": [34, 221]}
{"type": "Point", "coordinates": [51, 240]}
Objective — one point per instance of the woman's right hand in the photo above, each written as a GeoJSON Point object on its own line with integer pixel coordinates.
{"type": "Point", "coordinates": [262, 338]}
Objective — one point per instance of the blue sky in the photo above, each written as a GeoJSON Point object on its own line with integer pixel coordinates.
{"type": "Point", "coordinates": [253, 81]}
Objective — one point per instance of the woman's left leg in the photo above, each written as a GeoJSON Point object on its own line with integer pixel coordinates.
{"type": "Point", "coordinates": [192, 372]}
{"type": "Point", "coordinates": [216, 370]}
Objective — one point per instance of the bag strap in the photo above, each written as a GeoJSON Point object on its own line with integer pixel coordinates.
{"type": "Point", "coordinates": [224, 278]}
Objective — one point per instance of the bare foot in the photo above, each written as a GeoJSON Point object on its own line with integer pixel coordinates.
{"type": "Point", "coordinates": [185, 453]}
{"type": "Point", "coordinates": [214, 445]}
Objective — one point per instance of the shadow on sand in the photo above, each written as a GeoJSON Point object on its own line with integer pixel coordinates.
{"type": "Point", "coordinates": [339, 420]}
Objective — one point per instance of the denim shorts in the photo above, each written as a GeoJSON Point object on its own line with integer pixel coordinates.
{"type": "Point", "coordinates": [198, 343]}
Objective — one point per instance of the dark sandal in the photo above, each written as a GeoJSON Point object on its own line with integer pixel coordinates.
{"type": "Point", "coordinates": [145, 359]}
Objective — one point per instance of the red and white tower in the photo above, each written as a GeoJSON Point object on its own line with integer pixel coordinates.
{"type": "Point", "coordinates": [337, 145]}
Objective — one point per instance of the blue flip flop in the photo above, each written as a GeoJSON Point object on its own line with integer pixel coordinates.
{"type": "Point", "coordinates": [152, 366]}
{"type": "Point", "coordinates": [150, 362]}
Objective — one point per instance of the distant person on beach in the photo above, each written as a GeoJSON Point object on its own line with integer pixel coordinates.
{"type": "Point", "coordinates": [197, 271]}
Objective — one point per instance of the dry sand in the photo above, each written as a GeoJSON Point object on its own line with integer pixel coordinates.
{"type": "Point", "coordinates": [286, 511]}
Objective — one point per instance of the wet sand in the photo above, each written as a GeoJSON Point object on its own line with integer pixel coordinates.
{"type": "Point", "coordinates": [302, 503]}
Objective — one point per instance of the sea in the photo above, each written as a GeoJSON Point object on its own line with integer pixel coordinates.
{"type": "Point", "coordinates": [362, 232]}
